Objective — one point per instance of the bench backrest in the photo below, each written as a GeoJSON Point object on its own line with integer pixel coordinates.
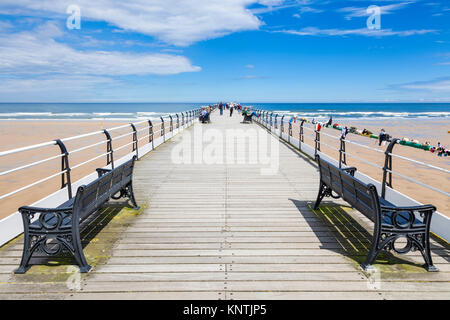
{"type": "Point", "coordinates": [92, 196]}
{"type": "Point", "coordinates": [361, 196]}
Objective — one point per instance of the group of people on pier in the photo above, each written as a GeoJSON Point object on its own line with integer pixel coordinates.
{"type": "Point", "coordinates": [245, 111]}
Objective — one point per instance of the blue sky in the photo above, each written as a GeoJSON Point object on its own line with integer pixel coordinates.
{"type": "Point", "coordinates": [211, 50]}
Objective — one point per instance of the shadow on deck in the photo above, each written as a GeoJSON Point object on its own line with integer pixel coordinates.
{"type": "Point", "coordinates": [354, 240]}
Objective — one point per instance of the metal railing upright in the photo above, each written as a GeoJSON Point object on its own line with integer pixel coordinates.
{"type": "Point", "coordinates": [387, 171]}
{"type": "Point", "coordinates": [64, 155]}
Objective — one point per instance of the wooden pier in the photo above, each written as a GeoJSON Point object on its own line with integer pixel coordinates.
{"type": "Point", "coordinates": [226, 231]}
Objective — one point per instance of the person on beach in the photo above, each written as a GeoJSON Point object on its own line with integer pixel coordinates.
{"type": "Point", "coordinates": [383, 137]}
{"type": "Point", "coordinates": [231, 111]}
{"type": "Point", "coordinates": [221, 108]}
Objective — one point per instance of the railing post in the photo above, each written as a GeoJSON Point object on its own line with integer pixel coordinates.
{"type": "Point", "coordinates": [162, 132]}
{"type": "Point", "coordinates": [281, 126]}
{"type": "Point", "coordinates": [182, 119]}
{"type": "Point", "coordinates": [300, 135]}
{"type": "Point", "coordinates": [65, 176]}
{"type": "Point", "coordinates": [178, 121]}
{"type": "Point", "coordinates": [290, 132]}
{"type": "Point", "coordinates": [109, 149]}
{"type": "Point", "coordinates": [317, 143]}
{"type": "Point", "coordinates": [276, 125]}
{"type": "Point", "coordinates": [150, 133]}
{"type": "Point", "coordinates": [135, 140]}
{"type": "Point", "coordinates": [171, 124]}
{"type": "Point", "coordinates": [387, 176]}
{"type": "Point", "coordinates": [271, 115]}
{"type": "Point", "coordinates": [342, 155]}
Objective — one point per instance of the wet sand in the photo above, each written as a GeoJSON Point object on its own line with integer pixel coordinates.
{"type": "Point", "coordinates": [15, 134]}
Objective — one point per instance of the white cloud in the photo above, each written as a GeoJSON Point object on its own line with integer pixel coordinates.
{"type": "Point", "coordinates": [435, 85]}
{"type": "Point", "coordinates": [312, 31]}
{"type": "Point", "coordinates": [178, 22]}
{"type": "Point", "coordinates": [310, 9]}
{"type": "Point", "coordinates": [250, 66]}
{"type": "Point", "coordinates": [37, 52]}
{"type": "Point", "coordinates": [352, 12]}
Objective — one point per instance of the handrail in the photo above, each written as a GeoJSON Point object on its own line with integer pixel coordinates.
{"type": "Point", "coordinates": [387, 168]}
{"type": "Point", "coordinates": [64, 155]}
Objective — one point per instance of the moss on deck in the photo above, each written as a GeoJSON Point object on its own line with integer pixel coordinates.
{"type": "Point", "coordinates": [98, 240]}
{"type": "Point", "coordinates": [355, 243]}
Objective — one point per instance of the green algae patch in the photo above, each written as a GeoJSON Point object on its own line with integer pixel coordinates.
{"type": "Point", "coordinates": [10, 243]}
{"type": "Point", "coordinates": [355, 243]}
{"type": "Point", "coordinates": [99, 237]}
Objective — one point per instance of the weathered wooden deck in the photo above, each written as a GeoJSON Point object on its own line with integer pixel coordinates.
{"type": "Point", "coordinates": [224, 231]}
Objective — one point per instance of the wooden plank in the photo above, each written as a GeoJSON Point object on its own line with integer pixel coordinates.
{"type": "Point", "coordinates": [254, 237]}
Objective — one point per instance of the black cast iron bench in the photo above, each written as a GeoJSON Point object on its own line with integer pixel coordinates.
{"type": "Point", "coordinates": [390, 222]}
{"type": "Point", "coordinates": [247, 118]}
{"type": "Point", "coordinates": [205, 119]}
{"type": "Point", "coordinates": [57, 230]}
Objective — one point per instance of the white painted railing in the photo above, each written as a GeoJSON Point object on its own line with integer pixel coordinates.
{"type": "Point", "coordinates": [440, 224]}
{"type": "Point", "coordinates": [168, 126]}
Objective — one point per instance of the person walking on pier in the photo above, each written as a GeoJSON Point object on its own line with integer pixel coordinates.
{"type": "Point", "coordinates": [231, 111]}
{"type": "Point", "coordinates": [221, 108]}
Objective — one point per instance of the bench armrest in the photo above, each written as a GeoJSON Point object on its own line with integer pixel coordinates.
{"type": "Point", "coordinates": [101, 171]}
{"type": "Point", "coordinates": [27, 209]}
{"type": "Point", "coordinates": [425, 207]}
{"type": "Point", "coordinates": [350, 170]}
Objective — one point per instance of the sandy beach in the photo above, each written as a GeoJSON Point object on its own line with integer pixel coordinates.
{"type": "Point", "coordinates": [432, 130]}
{"type": "Point", "coordinates": [15, 134]}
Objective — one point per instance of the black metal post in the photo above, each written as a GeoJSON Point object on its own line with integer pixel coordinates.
{"type": "Point", "coordinates": [109, 149]}
{"type": "Point", "coordinates": [281, 125]}
{"type": "Point", "coordinates": [178, 121]}
{"type": "Point", "coordinates": [300, 135]}
{"type": "Point", "coordinates": [135, 140]}
{"type": "Point", "coordinates": [171, 124]}
{"type": "Point", "coordinates": [342, 155]}
{"type": "Point", "coordinates": [317, 143]}
{"type": "Point", "coordinates": [276, 125]}
{"type": "Point", "coordinates": [290, 132]}
{"type": "Point", "coordinates": [150, 133]}
{"type": "Point", "coordinates": [162, 133]}
{"type": "Point", "coordinates": [182, 119]}
{"type": "Point", "coordinates": [387, 176]}
{"type": "Point", "coordinates": [65, 176]}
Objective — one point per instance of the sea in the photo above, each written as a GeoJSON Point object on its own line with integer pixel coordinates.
{"type": "Point", "coordinates": [141, 111]}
